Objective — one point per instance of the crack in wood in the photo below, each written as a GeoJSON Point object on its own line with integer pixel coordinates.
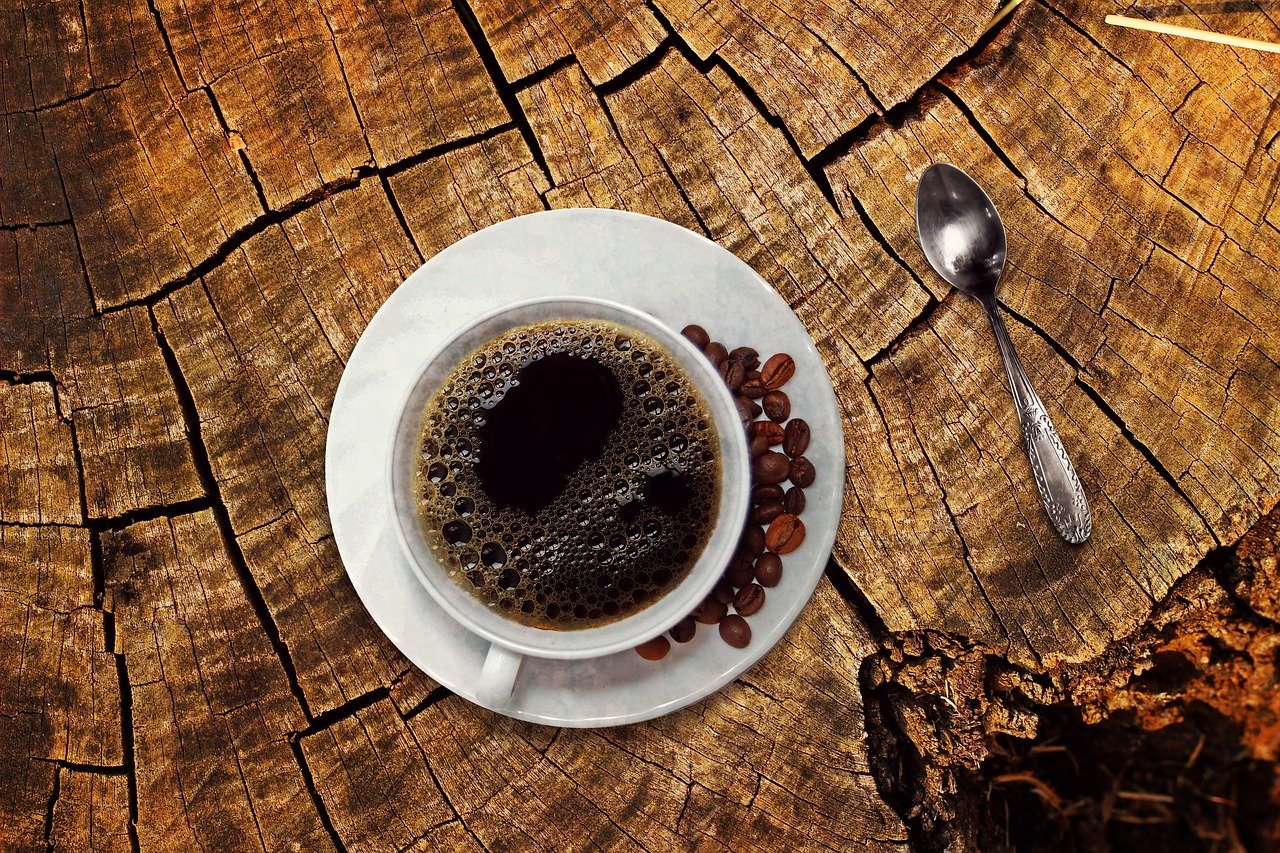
{"type": "Point", "coordinates": [642, 68]}
{"type": "Point", "coordinates": [168, 45]}
{"type": "Point", "coordinates": [244, 786]}
{"type": "Point", "coordinates": [75, 232]}
{"type": "Point", "coordinates": [1048, 6]}
{"type": "Point", "coordinates": [399, 214]}
{"type": "Point", "coordinates": [249, 169]}
{"type": "Point", "coordinates": [346, 81]}
{"type": "Point", "coordinates": [530, 80]}
{"type": "Point", "coordinates": [126, 727]}
{"type": "Point", "coordinates": [273, 217]}
{"type": "Point", "coordinates": [506, 91]}
{"type": "Point", "coordinates": [81, 494]}
{"type": "Point", "coordinates": [31, 226]}
{"type": "Point", "coordinates": [100, 524]}
{"type": "Point", "coordinates": [48, 814]}
{"type": "Point", "coordinates": [444, 795]}
{"type": "Point", "coordinates": [437, 695]}
{"type": "Point", "coordinates": [918, 323]}
{"type": "Point", "coordinates": [684, 196]}
{"type": "Point", "coordinates": [204, 471]}
{"type": "Point", "coordinates": [71, 99]}
{"type": "Point", "coordinates": [346, 710]}
{"type": "Point", "coordinates": [857, 600]}
{"type": "Point", "coordinates": [984, 135]}
{"type": "Point", "coordinates": [86, 767]}
{"type": "Point", "coordinates": [1147, 454]}
{"type": "Point", "coordinates": [33, 377]}
{"type": "Point", "coordinates": [853, 72]}
{"type": "Point", "coordinates": [309, 783]}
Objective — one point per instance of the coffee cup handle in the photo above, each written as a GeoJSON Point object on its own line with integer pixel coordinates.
{"type": "Point", "coordinates": [498, 676]}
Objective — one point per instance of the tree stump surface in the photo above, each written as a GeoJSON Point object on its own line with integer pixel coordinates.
{"type": "Point", "coordinates": [203, 204]}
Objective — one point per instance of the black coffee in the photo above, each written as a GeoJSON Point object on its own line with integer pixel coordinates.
{"type": "Point", "coordinates": [569, 473]}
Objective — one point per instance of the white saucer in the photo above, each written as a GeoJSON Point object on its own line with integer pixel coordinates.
{"type": "Point", "coordinates": [680, 278]}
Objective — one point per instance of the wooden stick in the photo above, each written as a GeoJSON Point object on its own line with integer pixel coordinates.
{"type": "Point", "coordinates": [1192, 33]}
{"type": "Point", "coordinates": [1001, 15]}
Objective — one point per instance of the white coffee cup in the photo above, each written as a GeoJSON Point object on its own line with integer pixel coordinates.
{"type": "Point", "coordinates": [510, 641]}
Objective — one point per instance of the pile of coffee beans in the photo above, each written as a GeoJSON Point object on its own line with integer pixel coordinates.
{"type": "Point", "coordinates": [780, 472]}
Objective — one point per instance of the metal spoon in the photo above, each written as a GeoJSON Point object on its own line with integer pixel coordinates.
{"type": "Point", "coordinates": [963, 238]}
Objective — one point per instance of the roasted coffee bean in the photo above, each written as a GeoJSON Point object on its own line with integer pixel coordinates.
{"type": "Point", "coordinates": [722, 591]}
{"type": "Point", "coordinates": [795, 437]}
{"type": "Point", "coordinates": [716, 353]}
{"type": "Point", "coordinates": [748, 357]}
{"type": "Point", "coordinates": [753, 375]}
{"type": "Point", "coordinates": [765, 513]}
{"type": "Point", "coordinates": [753, 389]}
{"type": "Point", "coordinates": [768, 569]}
{"type": "Point", "coordinates": [766, 493]}
{"type": "Point", "coordinates": [752, 541]}
{"type": "Point", "coordinates": [752, 406]}
{"type": "Point", "coordinates": [757, 446]}
{"type": "Point", "coordinates": [749, 599]}
{"type": "Point", "coordinates": [684, 630]}
{"type": "Point", "coordinates": [777, 406]}
{"type": "Point", "coordinates": [744, 410]}
{"type": "Point", "coordinates": [710, 611]}
{"type": "Point", "coordinates": [785, 534]}
{"type": "Point", "coordinates": [655, 649]}
{"type": "Point", "coordinates": [794, 500]}
{"type": "Point", "coordinates": [777, 370]}
{"type": "Point", "coordinates": [732, 373]}
{"type": "Point", "coordinates": [735, 631]}
{"type": "Point", "coordinates": [769, 430]}
{"type": "Point", "coordinates": [802, 472]}
{"type": "Point", "coordinates": [697, 334]}
{"type": "Point", "coordinates": [773, 467]}
{"type": "Point", "coordinates": [740, 571]}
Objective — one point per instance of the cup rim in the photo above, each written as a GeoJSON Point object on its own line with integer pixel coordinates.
{"type": "Point", "coordinates": [652, 620]}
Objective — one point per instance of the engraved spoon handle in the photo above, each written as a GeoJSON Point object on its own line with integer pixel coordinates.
{"type": "Point", "coordinates": [1056, 479]}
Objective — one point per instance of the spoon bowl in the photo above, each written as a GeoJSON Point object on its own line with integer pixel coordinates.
{"type": "Point", "coordinates": [960, 231]}
{"type": "Point", "coordinates": [964, 240]}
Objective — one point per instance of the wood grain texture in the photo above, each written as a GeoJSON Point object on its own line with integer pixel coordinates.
{"type": "Point", "coordinates": [368, 769]}
{"type": "Point", "coordinates": [113, 385]}
{"type": "Point", "coordinates": [211, 705]}
{"type": "Point", "coordinates": [413, 76]}
{"type": "Point", "coordinates": [448, 197]}
{"type": "Point", "coordinates": [263, 391]}
{"type": "Point", "coordinates": [767, 758]}
{"type": "Point", "coordinates": [606, 38]}
{"type": "Point", "coordinates": [589, 163]}
{"type": "Point", "coordinates": [39, 480]}
{"type": "Point", "coordinates": [30, 189]}
{"type": "Point", "coordinates": [90, 813]}
{"type": "Point", "coordinates": [758, 201]}
{"type": "Point", "coordinates": [822, 68]}
{"type": "Point", "coordinates": [149, 177]}
{"type": "Point", "coordinates": [58, 671]}
{"type": "Point", "coordinates": [202, 205]}
{"type": "Point", "coordinates": [59, 694]}
{"type": "Point", "coordinates": [133, 443]}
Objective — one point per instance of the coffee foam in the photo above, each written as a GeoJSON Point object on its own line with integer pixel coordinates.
{"type": "Point", "coordinates": [599, 551]}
